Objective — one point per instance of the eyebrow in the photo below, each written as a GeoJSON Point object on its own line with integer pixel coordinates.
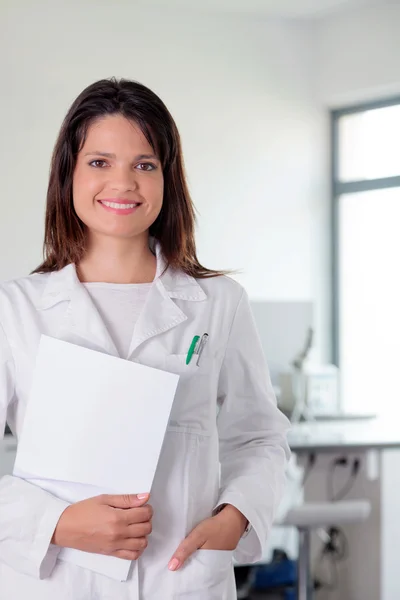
{"type": "Point", "coordinates": [111, 155]}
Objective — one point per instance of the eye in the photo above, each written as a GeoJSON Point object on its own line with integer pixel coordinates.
{"type": "Point", "coordinates": [146, 167]}
{"type": "Point", "coordinates": [96, 165]}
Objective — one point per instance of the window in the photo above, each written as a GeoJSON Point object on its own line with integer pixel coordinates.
{"type": "Point", "coordinates": [366, 255]}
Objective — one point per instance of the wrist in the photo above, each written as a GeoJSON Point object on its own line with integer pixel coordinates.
{"type": "Point", "coordinates": [60, 533]}
{"type": "Point", "coordinates": [236, 519]}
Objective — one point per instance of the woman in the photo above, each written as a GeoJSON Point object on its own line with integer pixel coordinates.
{"type": "Point", "coordinates": [121, 276]}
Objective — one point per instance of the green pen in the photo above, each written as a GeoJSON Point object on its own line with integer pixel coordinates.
{"type": "Point", "coordinates": [192, 348]}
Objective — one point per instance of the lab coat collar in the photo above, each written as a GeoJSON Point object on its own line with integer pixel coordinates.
{"type": "Point", "coordinates": [175, 283]}
{"type": "Point", "coordinates": [171, 282]}
{"type": "Point", "coordinates": [160, 312]}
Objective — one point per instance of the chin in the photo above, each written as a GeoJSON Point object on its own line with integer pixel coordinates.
{"type": "Point", "coordinates": [124, 234]}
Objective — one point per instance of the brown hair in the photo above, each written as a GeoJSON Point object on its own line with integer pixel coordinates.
{"type": "Point", "coordinates": [65, 233]}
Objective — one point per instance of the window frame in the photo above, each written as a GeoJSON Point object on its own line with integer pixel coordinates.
{"type": "Point", "coordinates": [338, 188]}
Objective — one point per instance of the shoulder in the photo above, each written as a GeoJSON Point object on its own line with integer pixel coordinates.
{"type": "Point", "coordinates": [221, 284]}
{"type": "Point", "coordinates": [223, 288]}
{"type": "Point", "coordinates": [30, 287]}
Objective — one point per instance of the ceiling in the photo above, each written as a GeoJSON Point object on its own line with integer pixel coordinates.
{"type": "Point", "coordinates": [305, 9]}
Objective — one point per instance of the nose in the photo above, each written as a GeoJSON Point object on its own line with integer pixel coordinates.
{"type": "Point", "coordinates": [124, 179]}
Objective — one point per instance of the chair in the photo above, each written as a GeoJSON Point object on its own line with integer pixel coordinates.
{"type": "Point", "coordinates": [313, 515]}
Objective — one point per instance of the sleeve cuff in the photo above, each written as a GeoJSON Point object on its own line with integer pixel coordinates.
{"type": "Point", "coordinates": [247, 530]}
{"type": "Point", "coordinates": [44, 553]}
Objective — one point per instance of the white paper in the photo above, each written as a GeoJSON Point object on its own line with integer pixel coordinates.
{"type": "Point", "coordinates": [94, 424]}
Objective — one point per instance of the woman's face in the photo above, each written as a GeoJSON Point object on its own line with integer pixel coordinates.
{"type": "Point", "coordinates": [118, 181]}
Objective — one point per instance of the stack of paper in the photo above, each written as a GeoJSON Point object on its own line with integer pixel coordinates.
{"type": "Point", "coordinates": [94, 424]}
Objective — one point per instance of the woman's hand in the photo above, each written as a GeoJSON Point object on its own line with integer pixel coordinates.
{"type": "Point", "coordinates": [221, 532]}
{"type": "Point", "coordinates": [107, 524]}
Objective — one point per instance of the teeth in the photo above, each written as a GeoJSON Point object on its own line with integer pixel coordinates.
{"type": "Point", "coordinates": [118, 205]}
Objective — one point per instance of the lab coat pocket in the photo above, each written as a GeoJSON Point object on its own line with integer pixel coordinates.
{"type": "Point", "coordinates": [191, 410]}
{"type": "Point", "coordinates": [176, 363]}
{"type": "Point", "coordinates": [206, 575]}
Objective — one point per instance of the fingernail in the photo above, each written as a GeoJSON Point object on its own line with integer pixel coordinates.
{"type": "Point", "coordinates": [142, 496]}
{"type": "Point", "coordinates": [174, 564]}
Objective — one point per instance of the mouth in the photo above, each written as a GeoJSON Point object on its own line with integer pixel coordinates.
{"type": "Point", "coordinates": [121, 207]}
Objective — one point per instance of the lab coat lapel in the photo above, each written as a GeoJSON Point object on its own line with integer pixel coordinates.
{"type": "Point", "coordinates": [81, 320]}
{"type": "Point", "coordinates": [160, 312]}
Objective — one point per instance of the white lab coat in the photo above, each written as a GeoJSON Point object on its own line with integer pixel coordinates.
{"type": "Point", "coordinates": [224, 412]}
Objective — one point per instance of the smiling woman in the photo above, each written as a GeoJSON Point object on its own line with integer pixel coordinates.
{"type": "Point", "coordinates": [119, 144]}
{"type": "Point", "coordinates": [121, 276]}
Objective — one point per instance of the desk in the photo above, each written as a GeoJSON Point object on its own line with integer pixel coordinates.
{"type": "Point", "coordinates": [370, 572]}
{"type": "Point", "coordinates": [335, 436]}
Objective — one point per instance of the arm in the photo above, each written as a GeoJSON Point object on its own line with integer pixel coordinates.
{"type": "Point", "coordinates": [31, 518]}
{"type": "Point", "coordinates": [28, 514]}
{"type": "Point", "coordinates": [252, 434]}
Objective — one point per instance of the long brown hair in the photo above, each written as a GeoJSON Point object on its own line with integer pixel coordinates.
{"type": "Point", "coordinates": [65, 233]}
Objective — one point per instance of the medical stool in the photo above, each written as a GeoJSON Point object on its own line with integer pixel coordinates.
{"type": "Point", "coordinates": [313, 515]}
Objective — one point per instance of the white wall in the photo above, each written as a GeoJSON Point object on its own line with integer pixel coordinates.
{"type": "Point", "coordinates": [357, 56]}
{"type": "Point", "coordinates": [241, 92]}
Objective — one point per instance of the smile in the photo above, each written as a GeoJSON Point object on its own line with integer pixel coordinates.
{"type": "Point", "coordinates": [123, 208]}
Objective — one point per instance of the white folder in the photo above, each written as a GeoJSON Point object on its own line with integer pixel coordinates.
{"type": "Point", "coordinates": [94, 424]}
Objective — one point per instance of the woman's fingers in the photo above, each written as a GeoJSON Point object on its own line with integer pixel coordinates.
{"type": "Point", "coordinates": [132, 516]}
{"type": "Point", "coordinates": [123, 501]}
{"type": "Point", "coordinates": [126, 554]}
{"type": "Point", "coordinates": [131, 548]}
{"type": "Point", "coordinates": [126, 536]}
{"type": "Point", "coordinates": [133, 544]}
{"type": "Point", "coordinates": [95, 525]}
{"type": "Point", "coordinates": [138, 530]}
{"type": "Point", "coordinates": [195, 540]}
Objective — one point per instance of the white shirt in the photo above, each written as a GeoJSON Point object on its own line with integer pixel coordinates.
{"type": "Point", "coordinates": [119, 305]}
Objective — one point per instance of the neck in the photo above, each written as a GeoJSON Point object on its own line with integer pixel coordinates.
{"type": "Point", "coordinates": [115, 260]}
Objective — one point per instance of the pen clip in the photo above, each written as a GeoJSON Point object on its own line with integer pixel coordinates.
{"type": "Point", "coordinates": [203, 341]}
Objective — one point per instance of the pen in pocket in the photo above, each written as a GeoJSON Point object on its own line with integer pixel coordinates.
{"type": "Point", "coordinates": [203, 341]}
{"type": "Point", "coordinates": [192, 348]}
